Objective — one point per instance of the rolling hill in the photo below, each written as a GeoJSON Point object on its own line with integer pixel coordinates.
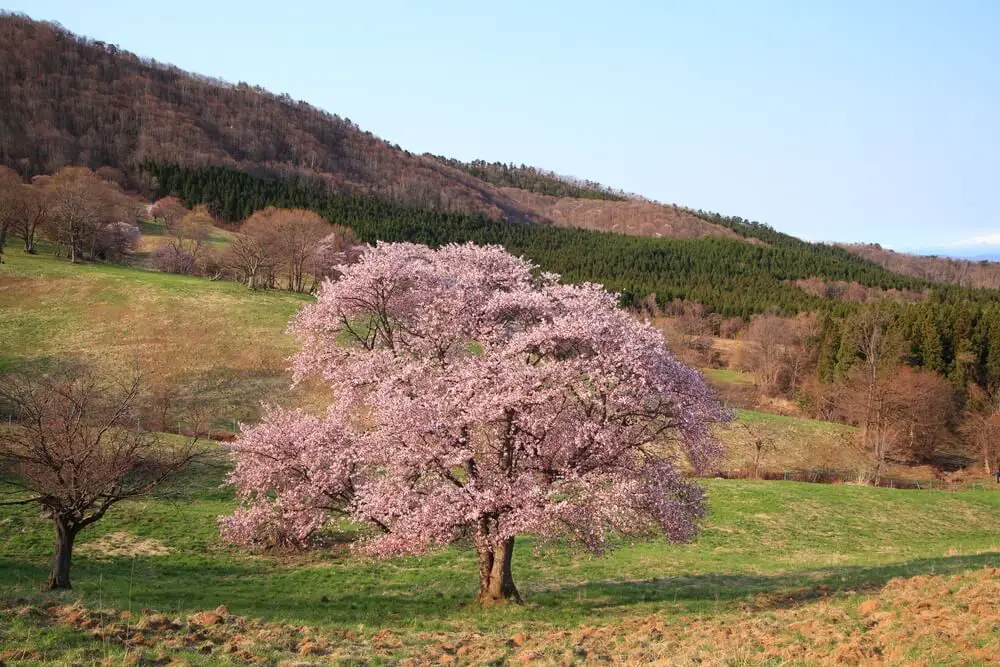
{"type": "Point", "coordinates": [159, 130]}
{"type": "Point", "coordinates": [72, 100]}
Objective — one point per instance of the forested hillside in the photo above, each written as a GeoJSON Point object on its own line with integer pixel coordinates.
{"type": "Point", "coordinates": [729, 276]}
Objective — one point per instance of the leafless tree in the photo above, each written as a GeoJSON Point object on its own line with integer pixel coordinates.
{"type": "Point", "coordinates": [924, 411]}
{"type": "Point", "coordinates": [76, 447]}
{"type": "Point", "coordinates": [764, 340]}
{"type": "Point", "coordinates": [81, 204]}
{"type": "Point", "coordinates": [761, 445]}
{"type": "Point", "coordinates": [252, 260]}
{"type": "Point", "coordinates": [879, 346]}
{"type": "Point", "coordinates": [35, 213]}
{"type": "Point", "coordinates": [188, 234]}
{"type": "Point", "coordinates": [298, 232]}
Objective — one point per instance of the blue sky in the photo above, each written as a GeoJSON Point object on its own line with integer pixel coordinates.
{"type": "Point", "coordinates": [848, 121]}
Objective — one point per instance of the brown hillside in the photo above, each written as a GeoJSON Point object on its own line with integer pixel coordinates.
{"type": "Point", "coordinates": [935, 269]}
{"type": "Point", "coordinates": [637, 217]}
{"type": "Point", "coordinates": [71, 100]}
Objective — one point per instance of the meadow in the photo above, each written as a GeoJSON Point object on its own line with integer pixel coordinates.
{"type": "Point", "coordinates": [766, 548]}
{"type": "Point", "coordinates": [782, 572]}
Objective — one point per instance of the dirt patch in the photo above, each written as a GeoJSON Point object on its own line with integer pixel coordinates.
{"type": "Point", "coordinates": [123, 545]}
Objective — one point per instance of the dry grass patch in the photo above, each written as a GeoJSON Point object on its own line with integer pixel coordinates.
{"type": "Point", "coordinates": [123, 545]}
{"type": "Point", "coordinates": [941, 620]}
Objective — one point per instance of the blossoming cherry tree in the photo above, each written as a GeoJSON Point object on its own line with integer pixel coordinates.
{"type": "Point", "coordinates": [476, 400]}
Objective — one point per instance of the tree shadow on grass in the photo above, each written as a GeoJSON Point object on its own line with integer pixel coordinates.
{"type": "Point", "coordinates": [752, 592]}
{"type": "Point", "coordinates": [437, 598]}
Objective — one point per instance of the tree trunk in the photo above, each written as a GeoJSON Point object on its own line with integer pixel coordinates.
{"type": "Point", "coordinates": [59, 578]}
{"type": "Point", "coordinates": [496, 583]}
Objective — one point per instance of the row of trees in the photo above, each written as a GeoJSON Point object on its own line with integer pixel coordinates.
{"type": "Point", "coordinates": [295, 248]}
{"type": "Point", "coordinates": [83, 214]}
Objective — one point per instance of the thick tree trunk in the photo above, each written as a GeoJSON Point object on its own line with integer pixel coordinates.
{"type": "Point", "coordinates": [496, 583]}
{"type": "Point", "coordinates": [61, 560]}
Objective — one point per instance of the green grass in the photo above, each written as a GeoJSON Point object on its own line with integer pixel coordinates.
{"type": "Point", "coordinates": [760, 537]}
{"type": "Point", "coordinates": [728, 376]}
{"type": "Point", "coordinates": [154, 234]}
{"type": "Point", "coordinates": [226, 347]}
{"type": "Point", "coordinates": [798, 443]}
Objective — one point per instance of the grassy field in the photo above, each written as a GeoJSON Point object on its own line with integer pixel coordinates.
{"type": "Point", "coordinates": [783, 572]}
{"type": "Point", "coordinates": [769, 544]}
{"type": "Point", "coordinates": [728, 376]}
{"type": "Point", "coordinates": [220, 345]}
{"type": "Point", "coordinates": [213, 342]}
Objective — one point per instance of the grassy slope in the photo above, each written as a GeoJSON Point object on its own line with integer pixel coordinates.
{"type": "Point", "coordinates": [216, 340]}
{"type": "Point", "coordinates": [226, 346]}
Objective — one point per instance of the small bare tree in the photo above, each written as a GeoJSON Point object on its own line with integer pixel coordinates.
{"type": "Point", "coordinates": [76, 447]}
{"type": "Point", "coordinates": [766, 340]}
{"type": "Point", "coordinates": [252, 260]}
{"type": "Point", "coordinates": [189, 232]}
{"type": "Point", "coordinates": [761, 445]}
{"type": "Point", "coordinates": [981, 430]}
{"type": "Point", "coordinates": [35, 215]}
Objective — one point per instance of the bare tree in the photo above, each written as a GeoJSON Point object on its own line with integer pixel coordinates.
{"type": "Point", "coordinates": [81, 204]}
{"type": "Point", "coordinates": [924, 411]}
{"type": "Point", "coordinates": [188, 234]}
{"type": "Point", "coordinates": [761, 445]}
{"type": "Point", "coordinates": [35, 213]}
{"type": "Point", "coordinates": [879, 346]}
{"type": "Point", "coordinates": [765, 354]}
{"type": "Point", "coordinates": [252, 260]}
{"type": "Point", "coordinates": [981, 428]}
{"type": "Point", "coordinates": [299, 232]}
{"type": "Point", "coordinates": [288, 238]}
{"type": "Point", "coordinates": [76, 447]}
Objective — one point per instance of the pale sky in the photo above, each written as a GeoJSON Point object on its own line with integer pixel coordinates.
{"type": "Point", "coordinates": [831, 120]}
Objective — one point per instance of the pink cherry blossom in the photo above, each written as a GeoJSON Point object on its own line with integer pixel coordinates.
{"type": "Point", "coordinates": [474, 398]}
